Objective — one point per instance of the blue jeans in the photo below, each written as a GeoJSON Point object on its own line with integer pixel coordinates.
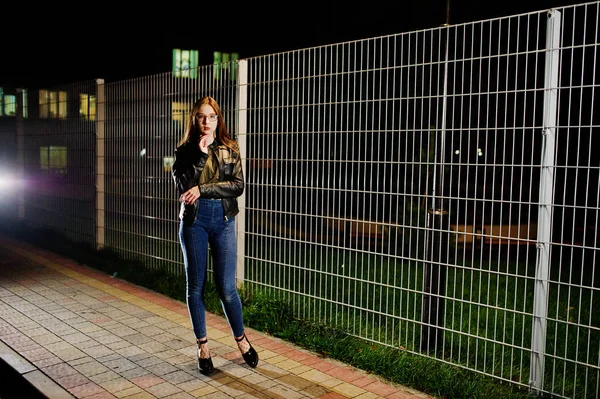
{"type": "Point", "coordinates": [210, 227]}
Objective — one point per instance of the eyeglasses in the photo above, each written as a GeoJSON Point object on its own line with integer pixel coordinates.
{"type": "Point", "coordinates": [210, 118]}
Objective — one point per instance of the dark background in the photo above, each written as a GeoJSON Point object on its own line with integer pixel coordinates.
{"type": "Point", "coordinates": [47, 44]}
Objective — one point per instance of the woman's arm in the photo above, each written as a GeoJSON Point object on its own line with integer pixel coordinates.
{"type": "Point", "coordinates": [231, 179]}
{"type": "Point", "coordinates": [185, 171]}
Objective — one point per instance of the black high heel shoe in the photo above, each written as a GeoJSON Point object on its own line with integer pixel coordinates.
{"type": "Point", "coordinates": [204, 365]}
{"type": "Point", "coordinates": [250, 357]}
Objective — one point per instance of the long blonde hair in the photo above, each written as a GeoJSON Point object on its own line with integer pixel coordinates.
{"type": "Point", "coordinates": [192, 129]}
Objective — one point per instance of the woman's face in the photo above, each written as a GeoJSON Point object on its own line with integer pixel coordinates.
{"type": "Point", "coordinates": [207, 119]}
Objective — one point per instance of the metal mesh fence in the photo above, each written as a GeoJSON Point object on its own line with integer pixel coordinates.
{"type": "Point", "coordinates": [144, 120]}
{"type": "Point", "coordinates": [57, 148]}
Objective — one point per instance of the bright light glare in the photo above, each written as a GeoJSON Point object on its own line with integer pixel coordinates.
{"type": "Point", "coordinates": [7, 182]}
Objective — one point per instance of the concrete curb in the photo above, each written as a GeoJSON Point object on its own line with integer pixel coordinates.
{"type": "Point", "coordinates": [21, 379]}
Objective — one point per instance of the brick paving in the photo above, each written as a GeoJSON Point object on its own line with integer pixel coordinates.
{"type": "Point", "coordinates": [94, 336]}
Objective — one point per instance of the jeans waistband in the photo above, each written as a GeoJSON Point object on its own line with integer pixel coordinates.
{"type": "Point", "coordinates": [209, 201]}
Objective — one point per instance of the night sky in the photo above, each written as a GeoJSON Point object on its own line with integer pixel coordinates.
{"type": "Point", "coordinates": [44, 45]}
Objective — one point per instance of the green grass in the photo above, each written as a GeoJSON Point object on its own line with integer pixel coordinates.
{"type": "Point", "coordinates": [481, 334]}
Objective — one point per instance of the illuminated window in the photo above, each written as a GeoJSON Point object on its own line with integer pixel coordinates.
{"type": "Point", "coordinates": [53, 104]}
{"type": "Point", "coordinates": [43, 103]}
{"type": "Point", "coordinates": [25, 111]}
{"type": "Point", "coordinates": [225, 62]}
{"type": "Point", "coordinates": [185, 63]}
{"type": "Point", "coordinates": [62, 104]}
{"type": "Point", "coordinates": [179, 113]}
{"type": "Point", "coordinates": [87, 107]}
{"type": "Point", "coordinates": [53, 159]}
{"type": "Point", "coordinates": [10, 105]}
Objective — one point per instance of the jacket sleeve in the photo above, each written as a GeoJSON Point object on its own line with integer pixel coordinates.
{"type": "Point", "coordinates": [185, 173]}
{"type": "Point", "coordinates": [181, 172]}
{"type": "Point", "coordinates": [231, 180]}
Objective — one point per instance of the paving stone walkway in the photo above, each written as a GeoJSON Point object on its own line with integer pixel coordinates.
{"type": "Point", "coordinates": [75, 332]}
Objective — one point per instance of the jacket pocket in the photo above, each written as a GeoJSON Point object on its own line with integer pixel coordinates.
{"type": "Point", "coordinates": [228, 167]}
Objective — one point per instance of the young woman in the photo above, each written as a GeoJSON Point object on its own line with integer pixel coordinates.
{"type": "Point", "coordinates": [208, 177]}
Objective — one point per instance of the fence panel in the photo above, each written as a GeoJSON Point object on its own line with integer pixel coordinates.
{"type": "Point", "coordinates": [573, 326]}
{"type": "Point", "coordinates": [352, 148]}
{"type": "Point", "coordinates": [57, 147]}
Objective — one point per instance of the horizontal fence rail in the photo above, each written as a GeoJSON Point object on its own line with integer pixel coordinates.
{"type": "Point", "coordinates": [434, 191]}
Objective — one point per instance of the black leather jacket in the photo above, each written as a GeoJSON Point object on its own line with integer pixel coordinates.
{"type": "Point", "coordinates": [221, 177]}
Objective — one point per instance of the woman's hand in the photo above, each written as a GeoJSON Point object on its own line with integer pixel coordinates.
{"type": "Point", "coordinates": [190, 196]}
{"type": "Point", "coordinates": [205, 141]}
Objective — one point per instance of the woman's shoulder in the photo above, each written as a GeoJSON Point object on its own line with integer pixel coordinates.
{"type": "Point", "coordinates": [231, 149]}
{"type": "Point", "coordinates": [231, 144]}
{"type": "Point", "coordinates": [235, 146]}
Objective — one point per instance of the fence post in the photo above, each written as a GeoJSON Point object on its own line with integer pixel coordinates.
{"type": "Point", "coordinates": [436, 236]}
{"type": "Point", "coordinates": [434, 278]}
{"type": "Point", "coordinates": [100, 189]}
{"type": "Point", "coordinates": [19, 126]}
{"type": "Point", "coordinates": [241, 107]}
{"type": "Point", "coordinates": [544, 231]}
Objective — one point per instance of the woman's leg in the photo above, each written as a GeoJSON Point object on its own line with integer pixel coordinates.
{"type": "Point", "coordinates": [194, 245]}
{"type": "Point", "coordinates": [224, 251]}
